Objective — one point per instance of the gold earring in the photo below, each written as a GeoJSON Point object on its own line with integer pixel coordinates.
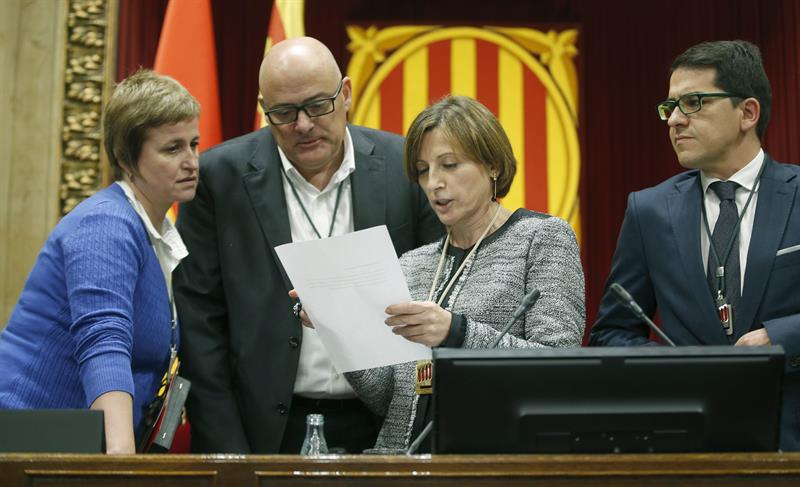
{"type": "Point", "coordinates": [494, 180]}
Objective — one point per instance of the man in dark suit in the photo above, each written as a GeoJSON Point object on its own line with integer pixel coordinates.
{"type": "Point", "coordinates": [715, 250]}
{"type": "Point", "coordinates": [256, 372]}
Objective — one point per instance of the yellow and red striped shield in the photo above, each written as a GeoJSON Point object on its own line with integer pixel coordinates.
{"type": "Point", "coordinates": [525, 76]}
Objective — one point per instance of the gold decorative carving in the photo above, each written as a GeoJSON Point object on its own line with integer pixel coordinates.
{"type": "Point", "coordinates": [86, 82]}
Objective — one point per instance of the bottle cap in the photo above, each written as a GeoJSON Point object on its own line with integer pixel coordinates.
{"type": "Point", "coordinates": [315, 419]}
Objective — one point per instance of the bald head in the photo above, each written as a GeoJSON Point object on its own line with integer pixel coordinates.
{"type": "Point", "coordinates": [293, 63]}
{"type": "Point", "coordinates": [296, 74]}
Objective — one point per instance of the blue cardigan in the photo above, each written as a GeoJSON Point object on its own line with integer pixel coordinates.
{"type": "Point", "coordinates": [93, 317]}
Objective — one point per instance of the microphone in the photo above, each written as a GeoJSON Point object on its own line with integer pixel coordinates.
{"type": "Point", "coordinates": [412, 448]}
{"type": "Point", "coordinates": [627, 300]}
{"type": "Point", "coordinates": [527, 302]}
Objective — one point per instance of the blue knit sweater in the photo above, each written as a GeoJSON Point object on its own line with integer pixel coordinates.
{"type": "Point", "coordinates": [93, 316]}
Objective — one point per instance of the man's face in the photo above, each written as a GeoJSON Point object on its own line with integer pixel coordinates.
{"type": "Point", "coordinates": [310, 143]}
{"type": "Point", "coordinates": [704, 139]}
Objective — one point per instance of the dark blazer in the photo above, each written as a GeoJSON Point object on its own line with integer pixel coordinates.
{"type": "Point", "coordinates": [659, 261]}
{"type": "Point", "coordinates": [240, 342]}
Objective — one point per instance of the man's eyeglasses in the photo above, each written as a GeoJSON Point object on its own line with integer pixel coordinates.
{"type": "Point", "coordinates": [689, 103]}
{"type": "Point", "coordinates": [315, 108]}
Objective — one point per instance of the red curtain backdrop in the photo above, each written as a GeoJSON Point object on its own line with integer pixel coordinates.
{"type": "Point", "coordinates": [626, 47]}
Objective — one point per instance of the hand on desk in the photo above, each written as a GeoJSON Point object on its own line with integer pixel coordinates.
{"type": "Point", "coordinates": [420, 321]}
{"type": "Point", "coordinates": [755, 338]}
{"type": "Point", "coordinates": [117, 407]}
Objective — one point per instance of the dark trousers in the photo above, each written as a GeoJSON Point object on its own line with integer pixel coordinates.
{"type": "Point", "coordinates": [349, 426]}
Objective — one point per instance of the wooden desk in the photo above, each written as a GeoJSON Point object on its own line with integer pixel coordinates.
{"type": "Point", "coordinates": [695, 470]}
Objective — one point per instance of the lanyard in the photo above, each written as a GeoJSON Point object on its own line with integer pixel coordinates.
{"type": "Point", "coordinates": [303, 207]}
{"type": "Point", "coordinates": [173, 340]}
{"type": "Point", "coordinates": [457, 273]}
{"type": "Point", "coordinates": [729, 246]}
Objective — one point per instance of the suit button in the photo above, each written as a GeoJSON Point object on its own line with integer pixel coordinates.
{"type": "Point", "coordinates": [282, 409]}
{"type": "Point", "coordinates": [795, 362]}
{"type": "Point", "coordinates": [294, 342]}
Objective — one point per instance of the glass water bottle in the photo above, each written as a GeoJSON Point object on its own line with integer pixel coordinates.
{"type": "Point", "coordinates": [314, 443]}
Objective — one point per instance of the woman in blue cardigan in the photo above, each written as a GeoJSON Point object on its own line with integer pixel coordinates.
{"type": "Point", "coordinates": [93, 327]}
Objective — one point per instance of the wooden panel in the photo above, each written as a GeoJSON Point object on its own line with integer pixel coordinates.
{"type": "Point", "coordinates": [55, 477]}
{"type": "Point", "coordinates": [697, 470]}
{"type": "Point", "coordinates": [9, 40]}
{"type": "Point", "coordinates": [32, 56]}
{"type": "Point", "coordinates": [54, 77]}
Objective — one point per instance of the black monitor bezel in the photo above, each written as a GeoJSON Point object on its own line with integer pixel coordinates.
{"type": "Point", "coordinates": [484, 401]}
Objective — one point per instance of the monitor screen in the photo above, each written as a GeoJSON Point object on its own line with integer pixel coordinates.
{"type": "Point", "coordinates": [52, 431]}
{"type": "Point", "coordinates": [584, 400]}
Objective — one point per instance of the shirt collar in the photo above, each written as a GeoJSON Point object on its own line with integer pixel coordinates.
{"type": "Point", "coordinates": [168, 236]}
{"type": "Point", "coordinates": [746, 176]}
{"type": "Point", "coordinates": [345, 169]}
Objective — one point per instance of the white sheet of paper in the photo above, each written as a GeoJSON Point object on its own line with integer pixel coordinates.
{"type": "Point", "coordinates": [345, 283]}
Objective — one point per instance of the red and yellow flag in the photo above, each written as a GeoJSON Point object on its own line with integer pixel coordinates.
{"type": "Point", "coordinates": [285, 22]}
{"type": "Point", "coordinates": [187, 52]}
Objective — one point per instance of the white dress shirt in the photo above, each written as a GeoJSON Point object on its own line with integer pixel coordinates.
{"type": "Point", "coordinates": [746, 177]}
{"type": "Point", "coordinates": [316, 376]}
{"type": "Point", "coordinates": [167, 242]}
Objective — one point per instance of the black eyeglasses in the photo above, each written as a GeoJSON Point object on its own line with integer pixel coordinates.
{"type": "Point", "coordinates": [315, 108]}
{"type": "Point", "coordinates": [689, 103]}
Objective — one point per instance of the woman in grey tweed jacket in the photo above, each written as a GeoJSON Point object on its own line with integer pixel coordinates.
{"type": "Point", "coordinates": [466, 287]}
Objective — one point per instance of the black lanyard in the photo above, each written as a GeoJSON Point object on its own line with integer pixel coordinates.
{"type": "Point", "coordinates": [729, 246]}
{"type": "Point", "coordinates": [305, 212]}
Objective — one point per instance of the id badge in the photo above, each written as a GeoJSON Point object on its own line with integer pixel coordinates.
{"type": "Point", "coordinates": [725, 313]}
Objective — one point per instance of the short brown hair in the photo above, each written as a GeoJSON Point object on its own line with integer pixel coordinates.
{"type": "Point", "coordinates": [468, 124]}
{"type": "Point", "coordinates": [140, 102]}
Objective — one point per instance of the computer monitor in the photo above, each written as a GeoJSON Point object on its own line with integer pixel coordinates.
{"type": "Point", "coordinates": [51, 431]}
{"type": "Point", "coordinates": [585, 400]}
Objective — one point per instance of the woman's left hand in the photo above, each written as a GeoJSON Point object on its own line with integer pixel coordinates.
{"type": "Point", "coordinates": [420, 321]}
{"type": "Point", "coordinates": [117, 407]}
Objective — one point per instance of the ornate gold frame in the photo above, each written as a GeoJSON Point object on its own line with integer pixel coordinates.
{"type": "Point", "coordinates": [549, 54]}
{"type": "Point", "coordinates": [370, 47]}
{"type": "Point", "coordinates": [88, 79]}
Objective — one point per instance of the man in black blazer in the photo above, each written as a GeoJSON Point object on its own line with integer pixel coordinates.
{"type": "Point", "coordinates": [255, 371]}
{"type": "Point", "coordinates": [711, 286]}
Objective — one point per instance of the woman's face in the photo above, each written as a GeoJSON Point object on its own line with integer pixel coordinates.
{"type": "Point", "coordinates": [168, 165]}
{"type": "Point", "coordinates": [459, 189]}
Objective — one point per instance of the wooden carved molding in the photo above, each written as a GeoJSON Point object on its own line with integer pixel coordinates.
{"type": "Point", "coordinates": [88, 76]}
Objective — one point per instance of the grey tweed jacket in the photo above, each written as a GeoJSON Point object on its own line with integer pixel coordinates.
{"type": "Point", "coordinates": [531, 250]}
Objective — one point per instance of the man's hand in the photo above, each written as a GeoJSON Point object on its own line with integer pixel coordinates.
{"type": "Point", "coordinates": [755, 338]}
{"type": "Point", "coordinates": [420, 321]}
{"type": "Point", "coordinates": [304, 319]}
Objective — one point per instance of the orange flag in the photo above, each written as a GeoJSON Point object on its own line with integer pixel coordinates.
{"type": "Point", "coordinates": [187, 52]}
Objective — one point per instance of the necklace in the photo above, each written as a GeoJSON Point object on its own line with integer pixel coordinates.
{"type": "Point", "coordinates": [303, 207]}
{"type": "Point", "coordinates": [457, 273]}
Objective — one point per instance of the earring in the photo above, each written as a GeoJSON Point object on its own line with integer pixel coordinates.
{"type": "Point", "coordinates": [494, 181]}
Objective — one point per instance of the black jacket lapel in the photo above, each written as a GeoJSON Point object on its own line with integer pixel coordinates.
{"type": "Point", "coordinates": [265, 190]}
{"type": "Point", "coordinates": [368, 184]}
